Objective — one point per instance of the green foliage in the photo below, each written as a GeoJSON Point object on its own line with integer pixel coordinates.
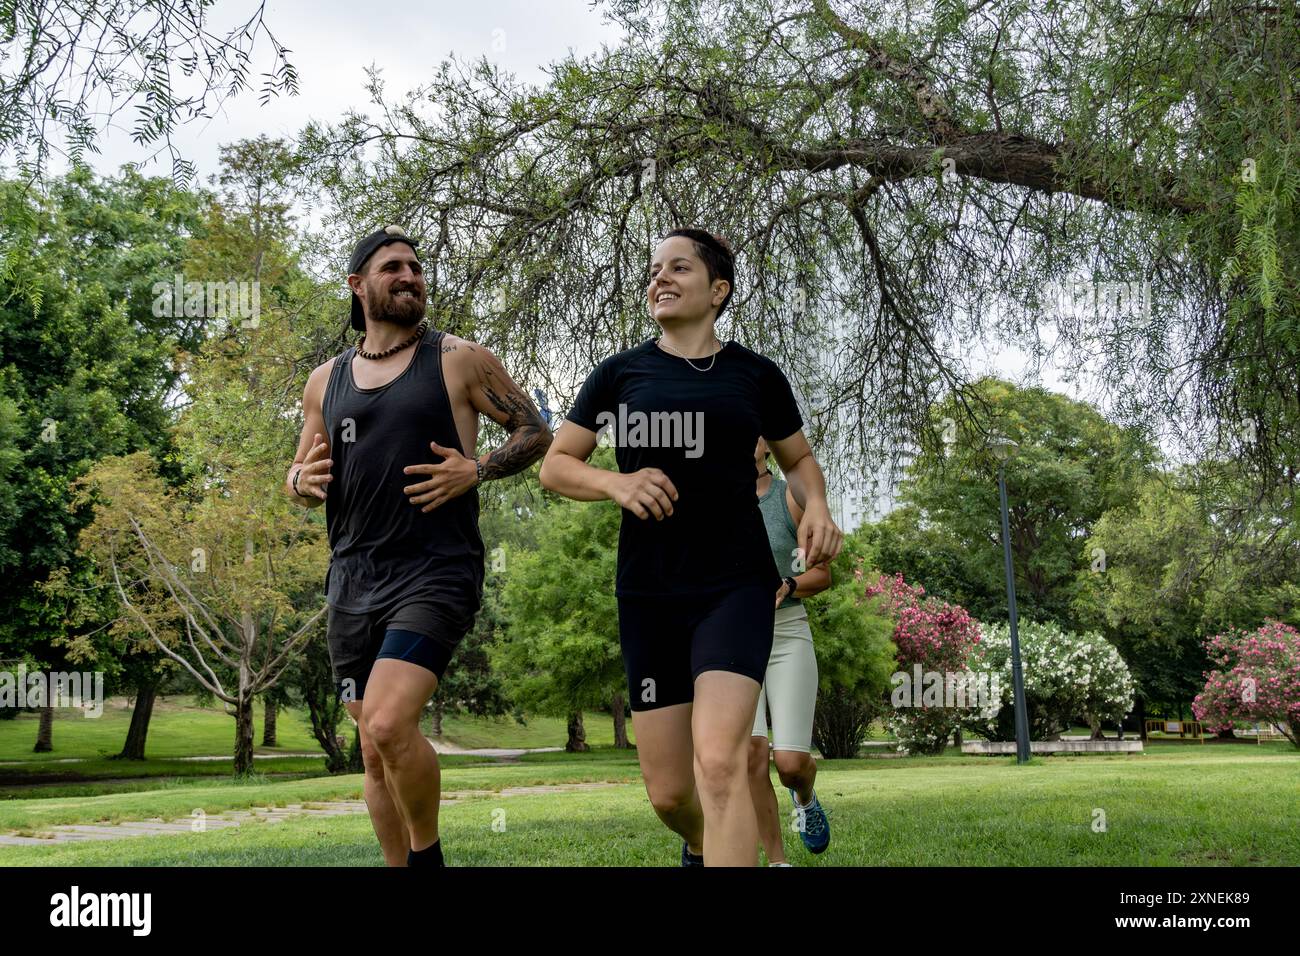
{"type": "Point", "coordinates": [470, 684]}
{"type": "Point", "coordinates": [931, 555]}
{"type": "Point", "coordinates": [558, 651]}
{"type": "Point", "coordinates": [1170, 579]}
{"type": "Point", "coordinates": [86, 369]}
{"type": "Point", "coordinates": [1070, 467]}
{"type": "Point", "coordinates": [72, 67]}
{"type": "Point", "coordinates": [854, 655]}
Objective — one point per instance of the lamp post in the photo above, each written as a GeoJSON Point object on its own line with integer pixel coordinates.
{"type": "Point", "coordinates": [1004, 448]}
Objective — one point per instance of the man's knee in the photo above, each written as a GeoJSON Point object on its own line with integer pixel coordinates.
{"type": "Point", "coordinates": [370, 758]}
{"type": "Point", "coordinates": [389, 731]}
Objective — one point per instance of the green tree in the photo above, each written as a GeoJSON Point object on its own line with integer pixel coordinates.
{"type": "Point", "coordinates": [931, 555]}
{"type": "Point", "coordinates": [1169, 581]}
{"type": "Point", "coordinates": [86, 370]}
{"type": "Point", "coordinates": [310, 679]}
{"type": "Point", "coordinates": [509, 517]}
{"type": "Point", "coordinates": [855, 656]}
{"type": "Point", "coordinates": [68, 69]}
{"type": "Point", "coordinates": [225, 381]}
{"type": "Point", "coordinates": [240, 570]}
{"type": "Point", "coordinates": [1071, 466]}
{"type": "Point", "coordinates": [559, 651]}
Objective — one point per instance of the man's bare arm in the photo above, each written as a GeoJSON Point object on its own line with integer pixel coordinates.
{"type": "Point", "coordinates": [494, 393]}
{"type": "Point", "coordinates": [312, 463]}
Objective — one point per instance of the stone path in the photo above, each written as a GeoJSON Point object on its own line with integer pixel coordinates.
{"type": "Point", "coordinates": [443, 747]}
{"type": "Point", "coordinates": [506, 753]}
{"type": "Point", "coordinates": [80, 833]}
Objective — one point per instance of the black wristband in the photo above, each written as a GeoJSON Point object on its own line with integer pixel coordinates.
{"type": "Point", "coordinates": [296, 473]}
{"type": "Point", "coordinates": [794, 586]}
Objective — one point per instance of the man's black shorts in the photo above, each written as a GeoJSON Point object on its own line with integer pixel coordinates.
{"type": "Point", "coordinates": [430, 631]}
{"type": "Point", "coordinates": [669, 641]}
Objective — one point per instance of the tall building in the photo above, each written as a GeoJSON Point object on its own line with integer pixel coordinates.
{"type": "Point", "coordinates": [860, 497]}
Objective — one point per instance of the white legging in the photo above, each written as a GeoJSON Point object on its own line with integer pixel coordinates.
{"type": "Point", "coordinates": [790, 685]}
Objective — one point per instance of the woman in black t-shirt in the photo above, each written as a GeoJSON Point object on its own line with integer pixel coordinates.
{"type": "Point", "coordinates": [695, 573]}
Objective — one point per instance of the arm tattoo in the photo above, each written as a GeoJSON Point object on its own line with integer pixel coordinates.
{"type": "Point", "coordinates": [529, 436]}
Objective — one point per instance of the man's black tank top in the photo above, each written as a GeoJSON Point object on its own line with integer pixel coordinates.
{"type": "Point", "coordinates": [383, 548]}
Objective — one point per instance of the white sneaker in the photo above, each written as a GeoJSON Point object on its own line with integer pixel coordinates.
{"type": "Point", "coordinates": [780, 864]}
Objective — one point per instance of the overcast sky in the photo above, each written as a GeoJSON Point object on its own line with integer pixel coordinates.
{"type": "Point", "coordinates": [332, 43]}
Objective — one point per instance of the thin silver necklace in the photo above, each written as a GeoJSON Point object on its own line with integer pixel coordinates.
{"type": "Point", "coordinates": [660, 341]}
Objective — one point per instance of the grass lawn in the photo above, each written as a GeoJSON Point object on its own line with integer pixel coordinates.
{"type": "Point", "coordinates": [178, 728]}
{"type": "Point", "coordinates": [180, 797]}
{"type": "Point", "coordinates": [114, 776]}
{"type": "Point", "coordinates": [1174, 805]}
{"type": "Point", "coordinates": [81, 763]}
{"type": "Point", "coordinates": [472, 733]}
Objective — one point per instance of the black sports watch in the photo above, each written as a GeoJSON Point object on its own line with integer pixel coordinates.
{"type": "Point", "coordinates": [794, 586]}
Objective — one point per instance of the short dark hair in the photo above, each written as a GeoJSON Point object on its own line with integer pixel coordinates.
{"type": "Point", "coordinates": [718, 258]}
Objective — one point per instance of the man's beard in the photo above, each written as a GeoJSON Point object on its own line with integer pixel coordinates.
{"type": "Point", "coordinates": [402, 311]}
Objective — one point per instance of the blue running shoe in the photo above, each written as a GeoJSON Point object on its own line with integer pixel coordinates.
{"type": "Point", "coordinates": [689, 858]}
{"type": "Point", "coordinates": [814, 824]}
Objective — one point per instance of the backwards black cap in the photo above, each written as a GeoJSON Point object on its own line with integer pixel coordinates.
{"type": "Point", "coordinates": [366, 248]}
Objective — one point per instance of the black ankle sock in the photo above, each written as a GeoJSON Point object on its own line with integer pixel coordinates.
{"type": "Point", "coordinates": [430, 856]}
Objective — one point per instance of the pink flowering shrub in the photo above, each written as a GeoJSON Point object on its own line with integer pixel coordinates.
{"type": "Point", "coordinates": [929, 632]}
{"type": "Point", "coordinates": [1256, 678]}
{"type": "Point", "coordinates": [939, 637]}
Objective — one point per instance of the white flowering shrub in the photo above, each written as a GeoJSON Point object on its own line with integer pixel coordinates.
{"type": "Point", "coordinates": [1067, 675]}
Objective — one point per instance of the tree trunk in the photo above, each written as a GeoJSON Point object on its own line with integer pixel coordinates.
{"type": "Point", "coordinates": [1097, 732]}
{"type": "Point", "coordinates": [435, 722]}
{"type": "Point", "coordinates": [620, 723]}
{"type": "Point", "coordinates": [244, 705]}
{"type": "Point", "coordinates": [325, 730]}
{"type": "Point", "coordinates": [45, 731]}
{"type": "Point", "coordinates": [577, 734]}
{"type": "Point", "coordinates": [244, 737]}
{"type": "Point", "coordinates": [133, 749]}
{"type": "Point", "coordinates": [956, 738]}
{"type": "Point", "coordinates": [356, 761]}
{"type": "Point", "coordinates": [270, 710]}
{"type": "Point", "coordinates": [1227, 733]}
{"type": "Point", "coordinates": [1142, 718]}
